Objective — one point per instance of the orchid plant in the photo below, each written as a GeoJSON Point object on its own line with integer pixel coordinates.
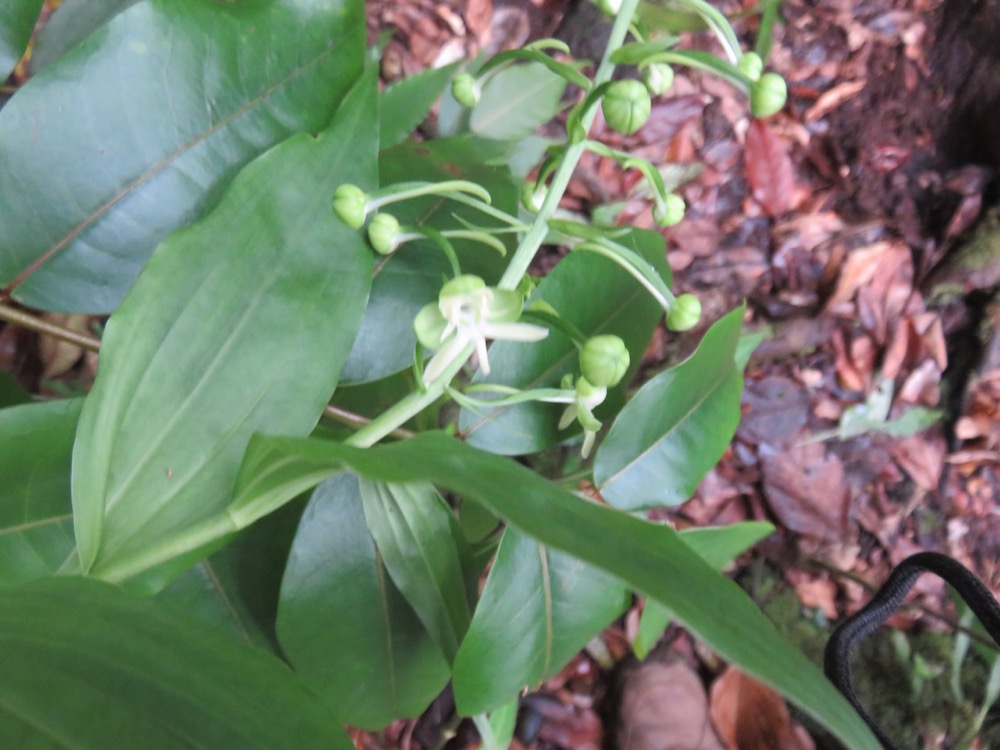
{"type": "Point", "coordinates": [290, 502]}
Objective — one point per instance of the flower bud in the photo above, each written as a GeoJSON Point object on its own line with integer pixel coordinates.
{"type": "Point", "coordinates": [626, 106]}
{"type": "Point", "coordinates": [383, 233]}
{"type": "Point", "coordinates": [532, 197]}
{"type": "Point", "coordinates": [751, 65]}
{"type": "Point", "coordinates": [609, 7]}
{"type": "Point", "coordinates": [604, 360]}
{"type": "Point", "coordinates": [684, 313]}
{"type": "Point", "coordinates": [465, 89]}
{"type": "Point", "coordinates": [462, 286]}
{"type": "Point", "coordinates": [670, 211]}
{"type": "Point", "coordinates": [351, 204]}
{"type": "Point", "coordinates": [768, 95]}
{"type": "Point", "coordinates": [658, 77]}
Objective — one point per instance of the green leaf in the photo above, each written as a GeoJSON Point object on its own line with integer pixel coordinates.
{"type": "Point", "coordinates": [598, 297]}
{"type": "Point", "coordinates": [208, 349]}
{"type": "Point", "coordinates": [418, 538]}
{"type": "Point", "coordinates": [17, 21]}
{"type": "Point", "coordinates": [88, 196]}
{"type": "Point", "coordinates": [539, 608]}
{"type": "Point", "coordinates": [71, 23]}
{"type": "Point", "coordinates": [235, 591]}
{"type": "Point", "coordinates": [343, 623]}
{"type": "Point", "coordinates": [411, 277]}
{"type": "Point", "coordinates": [715, 545]}
{"type": "Point", "coordinates": [648, 557]}
{"type": "Point", "coordinates": [36, 521]}
{"type": "Point", "coordinates": [676, 427]}
{"type": "Point", "coordinates": [88, 666]}
{"type": "Point", "coordinates": [405, 104]}
{"type": "Point", "coordinates": [11, 392]}
{"type": "Point", "coordinates": [516, 101]}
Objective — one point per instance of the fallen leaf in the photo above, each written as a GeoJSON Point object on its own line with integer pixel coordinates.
{"type": "Point", "coordinates": [770, 172]}
{"type": "Point", "coordinates": [664, 705]}
{"type": "Point", "coordinates": [752, 716]}
{"type": "Point", "coordinates": [804, 486]}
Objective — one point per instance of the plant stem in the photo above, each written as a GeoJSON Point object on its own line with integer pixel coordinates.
{"type": "Point", "coordinates": [416, 402]}
{"type": "Point", "coordinates": [356, 421]}
{"type": "Point", "coordinates": [526, 251]}
{"type": "Point", "coordinates": [39, 325]}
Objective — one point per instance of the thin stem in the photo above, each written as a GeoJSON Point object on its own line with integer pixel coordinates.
{"type": "Point", "coordinates": [409, 406]}
{"type": "Point", "coordinates": [39, 325]}
{"type": "Point", "coordinates": [536, 235]}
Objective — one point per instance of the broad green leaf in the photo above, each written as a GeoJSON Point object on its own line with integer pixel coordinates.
{"type": "Point", "coordinates": [539, 608]}
{"type": "Point", "coordinates": [676, 427]}
{"type": "Point", "coordinates": [516, 101]}
{"type": "Point", "coordinates": [235, 591]}
{"type": "Point", "coordinates": [343, 623]}
{"type": "Point", "coordinates": [411, 277]}
{"type": "Point", "coordinates": [71, 23]}
{"type": "Point", "coordinates": [404, 105]}
{"type": "Point", "coordinates": [87, 666]}
{"type": "Point", "coordinates": [715, 545]}
{"type": "Point", "coordinates": [17, 21]}
{"type": "Point", "coordinates": [100, 163]}
{"type": "Point", "coordinates": [593, 294]}
{"type": "Point", "coordinates": [36, 520]}
{"type": "Point", "coordinates": [650, 558]}
{"type": "Point", "coordinates": [208, 349]}
{"type": "Point", "coordinates": [415, 533]}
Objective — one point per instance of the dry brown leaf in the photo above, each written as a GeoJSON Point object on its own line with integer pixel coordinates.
{"type": "Point", "coordinates": [804, 486]}
{"type": "Point", "coordinates": [57, 356]}
{"type": "Point", "coordinates": [751, 716]}
{"type": "Point", "coordinates": [664, 706]}
{"type": "Point", "coordinates": [833, 98]}
{"type": "Point", "coordinates": [770, 171]}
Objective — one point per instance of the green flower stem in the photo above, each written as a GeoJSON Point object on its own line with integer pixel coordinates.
{"type": "Point", "coordinates": [630, 262]}
{"type": "Point", "coordinates": [521, 260]}
{"type": "Point", "coordinates": [407, 408]}
{"type": "Point", "coordinates": [405, 190]}
{"type": "Point", "coordinates": [693, 59]}
{"type": "Point", "coordinates": [719, 25]}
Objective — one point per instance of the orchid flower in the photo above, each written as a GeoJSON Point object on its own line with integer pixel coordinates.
{"type": "Point", "coordinates": [587, 398]}
{"type": "Point", "coordinates": [468, 311]}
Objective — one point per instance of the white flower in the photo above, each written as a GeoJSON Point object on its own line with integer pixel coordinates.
{"type": "Point", "coordinates": [583, 398]}
{"type": "Point", "coordinates": [468, 311]}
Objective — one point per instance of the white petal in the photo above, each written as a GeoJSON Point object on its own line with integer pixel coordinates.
{"type": "Point", "coordinates": [588, 443]}
{"type": "Point", "coordinates": [484, 361]}
{"type": "Point", "coordinates": [513, 331]}
{"type": "Point", "coordinates": [568, 417]}
{"type": "Point", "coordinates": [443, 358]}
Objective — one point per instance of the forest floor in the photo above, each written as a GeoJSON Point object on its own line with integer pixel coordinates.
{"type": "Point", "coordinates": [850, 224]}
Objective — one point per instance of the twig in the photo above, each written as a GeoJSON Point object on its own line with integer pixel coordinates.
{"type": "Point", "coordinates": [351, 419]}
{"type": "Point", "coordinates": [47, 328]}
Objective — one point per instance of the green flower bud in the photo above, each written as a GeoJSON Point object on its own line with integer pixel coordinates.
{"type": "Point", "coordinates": [351, 204]}
{"type": "Point", "coordinates": [604, 360]}
{"type": "Point", "coordinates": [768, 95]}
{"type": "Point", "coordinates": [626, 106]}
{"type": "Point", "coordinates": [658, 77]}
{"type": "Point", "coordinates": [532, 197]}
{"type": "Point", "coordinates": [684, 313]}
{"type": "Point", "coordinates": [609, 7]}
{"type": "Point", "coordinates": [383, 231]}
{"type": "Point", "coordinates": [670, 211]}
{"type": "Point", "coordinates": [461, 286]}
{"type": "Point", "coordinates": [751, 65]}
{"type": "Point", "coordinates": [465, 89]}
{"type": "Point", "coordinates": [429, 326]}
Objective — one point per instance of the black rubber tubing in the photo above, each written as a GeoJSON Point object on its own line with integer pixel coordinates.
{"type": "Point", "coordinates": [860, 625]}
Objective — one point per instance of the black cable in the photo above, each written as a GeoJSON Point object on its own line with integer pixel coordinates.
{"type": "Point", "coordinates": [837, 657]}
